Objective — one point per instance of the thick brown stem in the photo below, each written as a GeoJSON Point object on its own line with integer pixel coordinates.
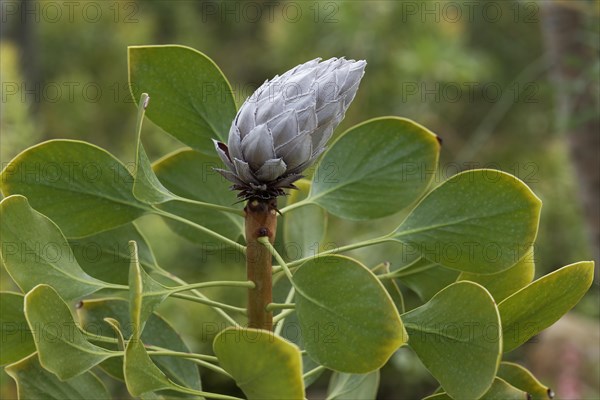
{"type": "Point", "coordinates": [261, 220]}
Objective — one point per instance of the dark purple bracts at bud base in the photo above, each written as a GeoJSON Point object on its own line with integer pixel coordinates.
{"type": "Point", "coordinates": [284, 126]}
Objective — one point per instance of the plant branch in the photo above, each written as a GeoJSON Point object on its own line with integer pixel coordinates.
{"type": "Point", "coordinates": [313, 371]}
{"type": "Point", "coordinates": [211, 206]}
{"type": "Point", "coordinates": [352, 246]}
{"type": "Point", "coordinates": [183, 288]}
{"type": "Point", "coordinates": [279, 319]}
{"type": "Point", "coordinates": [280, 306]}
{"type": "Point", "coordinates": [212, 233]}
{"type": "Point", "coordinates": [218, 310]}
{"type": "Point", "coordinates": [211, 303]}
{"type": "Point", "coordinates": [277, 256]}
{"type": "Point", "coordinates": [212, 367]}
{"type": "Point", "coordinates": [292, 206]}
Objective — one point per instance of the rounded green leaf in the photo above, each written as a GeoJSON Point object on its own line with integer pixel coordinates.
{"type": "Point", "coordinates": [191, 98]}
{"type": "Point", "coordinates": [81, 187]}
{"type": "Point", "coordinates": [522, 379]}
{"type": "Point", "coordinates": [503, 284]}
{"type": "Point", "coordinates": [481, 221]}
{"type": "Point", "coordinates": [62, 348]}
{"type": "Point", "coordinates": [34, 382]}
{"type": "Point", "coordinates": [34, 251]}
{"type": "Point", "coordinates": [457, 336]}
{"type": "Point", "coordinates": [17, 341]}
{"type": "Point", "coordinates": [541, 303]}
{"type": "Point", "coordinates": [351, 327]}
{"type": "Point", "coordinates": [263, 365]}
{"type": "Point", "coordinates": [375, 169]}
{"type": "Point", "coordinates": [190, 174]}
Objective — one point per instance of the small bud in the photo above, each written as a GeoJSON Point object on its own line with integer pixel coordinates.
{"type": "Point", "coordinates": [284, 126]}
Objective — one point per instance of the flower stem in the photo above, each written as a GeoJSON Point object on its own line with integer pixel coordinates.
{"type": "Point", "coordinates": [260, 222]}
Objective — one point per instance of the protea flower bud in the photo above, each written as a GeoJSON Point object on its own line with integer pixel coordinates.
{"type": "Point", "coordinates": [284, 126]}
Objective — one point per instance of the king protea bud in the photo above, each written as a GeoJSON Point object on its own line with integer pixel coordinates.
{"type": "Point", "coordinates": [284, 126]}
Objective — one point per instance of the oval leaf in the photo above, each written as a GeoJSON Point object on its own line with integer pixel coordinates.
{"type": "Point", "coordinates": [17, 341]}
{"type": "Point", "coordinates": [521, 378]}
{"type": "Point", "coordinates": [541, 303]}
{"type": "Point", "coordinates": [34, 382]}
{"type": "Point", "coordinates": [34, 251]}
{"type": "Point", "coordinates": [480, 221]}
{"type": "Point", "coordinates": [191, 98]}
{"type": "Point", "coordinates": [94, 188]}
{"type": "Point", "coordinates": [459, 326]}
{"type": "Point", "coordinates": [263, 365]}
{"type": "Point", "coordinates": [375, 169]}
{"type": "Point", "coordinates": [355, 328]}
{"type": "Point", "coordinates": [62, 348]}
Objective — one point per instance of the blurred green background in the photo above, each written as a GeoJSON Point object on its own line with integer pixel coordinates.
{"type": "Point", "coordinates": [486, 76]}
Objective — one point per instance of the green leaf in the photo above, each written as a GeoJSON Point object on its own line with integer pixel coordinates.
{"type": "Point", "coordinates": [481, 221]}
{"type": "Point", "coordinates": [521, 378]}
{"type": "Point", "coordinates": [17, 341]}
{"type": "Point", "coordinates": [145, 294]}
{"type": "Point", "coordinates": [457, 337]}
{"type": "Point", "coordinates": [191, 98]}
{"type": "Point", "coordinates": [425, 277]}
{"type": "Point", "coordinates": [34, 251]}
{"type": "Point", "coordinates": [106, 255]}
{"type": "Point", "coordinates": [190, 174]}
{"type": "Point", "coordinates": [263, 365]}
{"type": "Point", "coordinates": [500, 390]}
{"type": "Point", "coordinates": [62, 348]}
{"type": "Point", "coordinates": [339, 327]}
{"type": "Point", "coordinates": [157, 332]}
{"type": "Point", "coordinates": [34, 382]}
{"type": "Point", "coordinates": [94, 188]}
{"type": "Point", "coordinates": [141, 375]}
{"type": "Point", "coordinates": [146, 186]}
{"type": "Point", "coordinates": [375, 169]}
{"type": "Point", "coordinates": [541, 303]}
{"type": "Point", "coordinates": [353, 386]}
{"type": "Point", "coordinates": [303, 229]}
{"type": "Point", "coordinates": [503, 284]}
